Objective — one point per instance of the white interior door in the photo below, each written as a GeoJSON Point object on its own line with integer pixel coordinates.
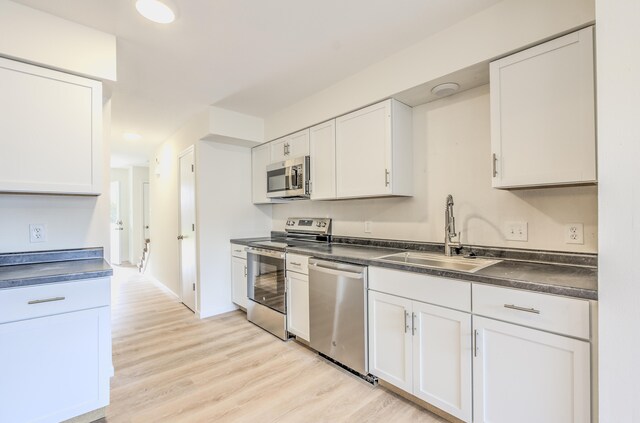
{"type": "Point", "coordinates": [187, 236]}
{"type": "Point", "coordinates": [145, 210]}
{"type": "Point", "coordinates": [116, 223]}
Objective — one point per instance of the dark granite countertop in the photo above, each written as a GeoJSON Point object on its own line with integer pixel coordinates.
{"type": "Point", "coordinates": [26, 269]}
{"type": "Point", "coordinates": [558, 278]}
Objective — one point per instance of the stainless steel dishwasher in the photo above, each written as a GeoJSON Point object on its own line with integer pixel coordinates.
{"type": "Point", "coordinates": [338, 312]}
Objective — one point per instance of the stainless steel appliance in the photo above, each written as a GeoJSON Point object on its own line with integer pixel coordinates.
{"type": "Point", "coordinates": [289, 179]}
{"type": "Point", "coordinates": [266, 290]}
{"type": "Point", "coordinates": [338, 312]}
{"type": "Point", "coordinates": [266, 305]}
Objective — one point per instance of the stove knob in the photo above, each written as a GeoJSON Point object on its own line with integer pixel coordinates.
{"type": "Point", "coordinates": [318, 224]}
{"type": "Point", "coordinates": [324, 224]}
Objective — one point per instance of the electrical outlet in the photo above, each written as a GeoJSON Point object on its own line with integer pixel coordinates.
{"type": "Point", "coordinates": [367, 226]}
{"type": "Point", "coordinates": [574, 233]}
{"type": "Point", "coordinates": [516, 231]}
{"type": "Point", "coordinates": [37, 232]}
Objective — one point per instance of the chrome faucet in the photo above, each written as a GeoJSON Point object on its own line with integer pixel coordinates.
{"type": "Point", "coordinates": [450, 228]}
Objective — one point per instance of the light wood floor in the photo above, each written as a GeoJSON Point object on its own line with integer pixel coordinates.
{"type": "Point", "coordinates": [172, 367]}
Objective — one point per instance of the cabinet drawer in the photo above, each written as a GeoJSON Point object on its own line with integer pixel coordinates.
{"type": "Point", "coordinates": [55, 298]}
{"type": "Point", "coordinates": [420, 287]}
{"type": "Point", "coordinates": [297, 263]}
{"type": "Point", "coordinates": [562, 315]}
{"type": "Point", "coordinates": [238, 250]}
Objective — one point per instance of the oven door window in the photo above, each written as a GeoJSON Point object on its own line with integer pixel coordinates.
{"type": "Point", "coordinates": [277, 180]}
{"type": "Point", "coordinates": [266, 283]}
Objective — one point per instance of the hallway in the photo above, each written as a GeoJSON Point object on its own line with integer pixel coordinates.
{"type": "Point", "coordinates": [172, 367]}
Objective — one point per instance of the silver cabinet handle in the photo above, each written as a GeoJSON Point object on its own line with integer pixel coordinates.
{"type": "Point", "coordinates": [528, 310]}
{"type": "Point", "coordinates": [495, 168]}
{"type": "Point", "coordinates": [386, 177]}
{"type": "Point", "coordinates": [245, 271]}
{"type": "Point", "coordinates": [406, 321]}
{"type": "Point", "coordinates": [237, 251]}
{"type": "Point", "coordinates": [296, 264]}
{"type": "Point", "coordinates": [46, 300]}
{"type": "Point", "coordinates": [413, 323]}
{"type": "Point", "coordinates": [475, 343]}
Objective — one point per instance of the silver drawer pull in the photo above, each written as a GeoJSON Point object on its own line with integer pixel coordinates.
{"type": "Point", "coordinates": [46, 300]}
{"type": "Point", "coordinates": [528, 310]}
{"type": "Point", "coordinates": [296, 264]}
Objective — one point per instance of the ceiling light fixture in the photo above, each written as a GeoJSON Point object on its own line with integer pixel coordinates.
{"type": "Point", "coordinates": [131, 136]}
{"type": "Point", "coordinates": [443, 90]}
{"type": "Point", "coordinates": [156, 10]}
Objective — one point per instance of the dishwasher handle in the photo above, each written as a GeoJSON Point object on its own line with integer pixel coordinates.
{"type": "Point", "coordinates": [339, 269]}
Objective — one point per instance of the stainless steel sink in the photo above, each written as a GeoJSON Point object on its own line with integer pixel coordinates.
{"type": "Point", "coordinates": [438, 261]}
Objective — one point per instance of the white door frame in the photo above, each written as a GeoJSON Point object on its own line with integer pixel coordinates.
{"type": "Point", "coordinates": [115, 234]}
{"type": "Point", "coordinates": [188, 150]}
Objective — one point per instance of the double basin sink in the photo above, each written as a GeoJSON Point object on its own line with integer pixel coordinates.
{"type": "Point", "coordinates": [439, 261]}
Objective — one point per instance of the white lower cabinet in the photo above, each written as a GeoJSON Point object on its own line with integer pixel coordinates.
{"type": "Point", "coordinates": [55, 367]}
{"type": "Point", "coordinates": [298, 305]}
{"type": "Point", "coordinates": [422, 349]}
{"type": "Point", "coordinates": [529, 376]}
{"type": "Point", "coordinates": [239, 281]}
{"type": "Point", "coordinates": [298, 295]}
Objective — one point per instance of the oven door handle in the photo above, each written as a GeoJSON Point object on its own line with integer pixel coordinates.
{"type": "Point", "coordinates": [261, 252]}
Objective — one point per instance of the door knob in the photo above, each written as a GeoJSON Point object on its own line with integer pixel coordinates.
{"type": "Point", "coordinates": [180, 237]}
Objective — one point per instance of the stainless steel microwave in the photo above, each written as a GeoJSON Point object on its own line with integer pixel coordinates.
{"type": "Point", "coordinates": [288, 179]}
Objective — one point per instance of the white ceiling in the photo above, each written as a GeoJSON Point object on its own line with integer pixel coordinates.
{"type": "Point", "coordinates": [252, 56]}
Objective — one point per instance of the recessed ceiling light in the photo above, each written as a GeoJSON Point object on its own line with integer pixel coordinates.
{"type": "Point", "coordinates": [156, 10]}
{"type": "Point", "coordinates": [131, 136]}
{"type": "Point", "coordinates": [445, 89]}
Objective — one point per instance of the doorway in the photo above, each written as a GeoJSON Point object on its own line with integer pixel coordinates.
{"type": "Point", "coordinates": [187, 236]}
{"type": "Point", "coordinates": [117, 226]}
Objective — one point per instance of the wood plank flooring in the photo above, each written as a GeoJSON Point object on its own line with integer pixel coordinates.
{"type": "Point", "coordinates": [172, 367]}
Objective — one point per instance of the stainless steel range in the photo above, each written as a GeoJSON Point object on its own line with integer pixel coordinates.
{"type": "Point", "coordinates": [267, 306]}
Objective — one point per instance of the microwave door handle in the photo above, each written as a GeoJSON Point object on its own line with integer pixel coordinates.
{"type": "Point", "coordinates": [293, 178]}
{"type": "Point", "coordinates": [287, 178]}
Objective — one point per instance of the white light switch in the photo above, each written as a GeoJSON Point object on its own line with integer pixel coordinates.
{"type": "Point", "coordinates": [516, 231]}
{"type": "Point", "coordinates": [367, 227]}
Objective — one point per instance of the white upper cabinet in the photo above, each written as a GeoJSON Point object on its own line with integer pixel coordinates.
{"type": "Point", "coordinates": [260, 158]}
{"type": "Point", "coordinates": [50, 131]}
{"type": "Point", "coordinates": [374, 151]}
{"type": "Point", "coordinates": [322, 148]}
{"type": "Point", "coordinates": [543, 114]}
{"type": "Point", "coordinates": [290, 147]}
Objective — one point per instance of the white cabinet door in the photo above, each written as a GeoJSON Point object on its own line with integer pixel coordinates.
{"type": "Point", "coordinates": [528, 376]}
{"type": "Point", "coordinates": [322, 149]}
{"type": "Point", "coordinates": [290, 147]}
{"type": "Point", "coordinates": [442, 358]}
{"type": "Point", "coordinates": [373, 151]}
{"type": "Point", "coordinates": [239, 281]}
{"type": "Point", "coordinates": [543, 114]}
{"type": "Point", "coordinates": [390, 339]}
{"type": "Point", "coordinates": [56, 367]}
{"type": "Point", "coordinates": [50, 131]}
{"type": "Point", "coordinates": [298, 144]}
{"type": "Point", "coordinates": [298, 305]}
{"type": "Point", "coordinates": [260, 158]}
{"type": "Point", "coordinates": [278, 150]}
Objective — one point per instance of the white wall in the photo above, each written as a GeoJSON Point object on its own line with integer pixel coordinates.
{"type": "Point", "coordinates": [31, 35]}
{"type": "Point", "coordinates": [225, 211]}
{"type": "Point", "coordinates": [617, 38]}
{"type": "Point", "coordinates": [122, 177]}
{"type": "Point", "coordinates": [452, 149]}
{"type": "Point", "coordinates": [138, 175]}
{"type": "Point", "coordinates": [164, 258]}
{"type": "Point", "coordinates": [496, 31]}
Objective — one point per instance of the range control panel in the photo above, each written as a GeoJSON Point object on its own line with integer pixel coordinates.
{"type": "Point", "coordinates": [306, 225]}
